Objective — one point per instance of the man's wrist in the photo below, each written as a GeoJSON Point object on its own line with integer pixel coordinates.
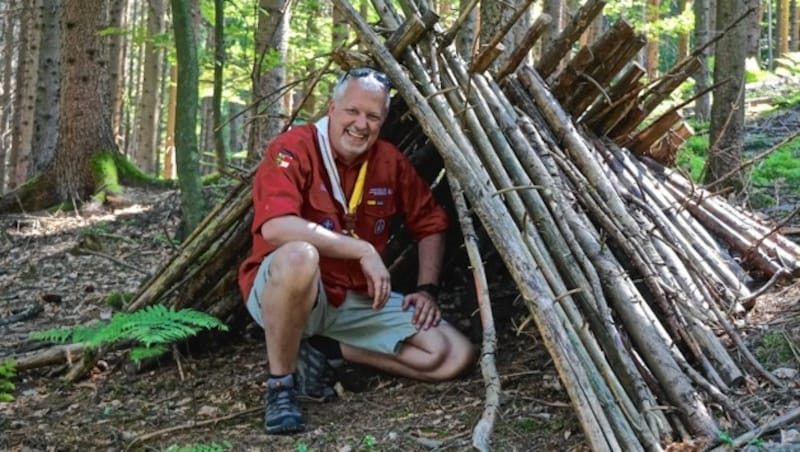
{"type": "Point", "coordinates": [430, 288]}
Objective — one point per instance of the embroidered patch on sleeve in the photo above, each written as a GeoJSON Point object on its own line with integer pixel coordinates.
{"type": "Point", "coordinates": [284, 158]}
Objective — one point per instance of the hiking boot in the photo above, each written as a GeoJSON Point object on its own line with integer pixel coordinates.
{"type": "Point", "coordinates": [281, 413]}
{"type": "Point", "coordinates": [316, 374]}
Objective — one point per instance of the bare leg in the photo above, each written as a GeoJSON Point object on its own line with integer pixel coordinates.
{"type": "Point", "coordinates": [437, 354]}
{"type": "Point", "coordinates": [287, 301]}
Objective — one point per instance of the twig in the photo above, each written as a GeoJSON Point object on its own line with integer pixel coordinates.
{"type": "Point", "coordinates": [25, 314]}
{"type": "Point", "coordinates": [778, 275]}
{"type": "Point", "coordinates": [114, 260]}
{"type": "Point", "coordinates": [191, 424]}
{"type": "Point", "coordinates": [753, 160]}
{"type": "Point", "coordinates": [176, 355]}
{"type": "Point", "coordinates": [756, 432]}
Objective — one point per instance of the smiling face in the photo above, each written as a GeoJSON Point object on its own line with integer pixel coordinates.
{"type": "Point", "coordinates": [356, 114]}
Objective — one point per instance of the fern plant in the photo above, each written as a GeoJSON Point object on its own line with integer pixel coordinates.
{"type": "Point", "coordinates": [8, 369]}
{"type": "Point", "coordinates": [154, 327]}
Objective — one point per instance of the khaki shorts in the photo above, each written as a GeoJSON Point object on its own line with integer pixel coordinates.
{"type": "Point", "coordinates": [354, 322]}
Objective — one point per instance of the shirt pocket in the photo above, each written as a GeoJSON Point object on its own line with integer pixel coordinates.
{"type": "Point", "coordinates": [322, 209]}
{"type": "Point", "coordinates": [377, 216]}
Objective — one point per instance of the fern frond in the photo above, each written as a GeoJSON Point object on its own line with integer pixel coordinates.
{"type": "Point", "coordinates": [152, 326]}
{"type": "Point", "coordinates": [140, 353]}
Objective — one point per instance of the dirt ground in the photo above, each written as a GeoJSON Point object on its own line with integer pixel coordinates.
{"type": "Point", "coordinates": [211, 394]}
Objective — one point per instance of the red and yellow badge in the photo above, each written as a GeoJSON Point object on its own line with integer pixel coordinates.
{"type": "Point", "coordinates": [284, 158]}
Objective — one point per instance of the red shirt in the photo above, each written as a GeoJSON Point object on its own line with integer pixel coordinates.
{"type": "Point", "coordinates": [291, 180]}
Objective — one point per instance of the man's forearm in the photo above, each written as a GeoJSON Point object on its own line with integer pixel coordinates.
{"type": "Point", "coordinates": [431, 253]}
{"type": "Point", "coordinates": [291, 228]}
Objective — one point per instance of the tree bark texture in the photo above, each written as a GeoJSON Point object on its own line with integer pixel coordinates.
{"type": "Point", "coordinates": [24, 93]}
{"type": "Point", "coordinates": [85, 120]}
{"type": "Point", "coordinates": [9, 21]}
{"type": "Point", "coordinates": [727, 112]}
{"type": "Point", "coordinates": [45, 130]}
{"type": "Point", "coordinates": [149, 111]}
{"type": "Point", "coordinates": [187, 156]}
{"type": "Point", "coordinates": [702, 78]}
{"type": "Point", "coordinates": [269, 73]}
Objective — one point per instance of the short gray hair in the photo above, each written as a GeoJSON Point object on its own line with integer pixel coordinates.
{"type": "Point", "coordinates": [369, 79]}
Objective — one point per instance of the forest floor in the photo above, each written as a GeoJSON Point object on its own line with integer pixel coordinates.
{"type": "Point", "coordinates": [212, 394]}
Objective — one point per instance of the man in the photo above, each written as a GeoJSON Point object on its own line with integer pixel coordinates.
{"type": "Point", "coordinates": [324, 196]}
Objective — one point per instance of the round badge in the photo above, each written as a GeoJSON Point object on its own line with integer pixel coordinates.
{"type": "Point", "coordinates": [380, 226]}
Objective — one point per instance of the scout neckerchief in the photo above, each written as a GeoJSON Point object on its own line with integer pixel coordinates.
{"type": "Point", "coordinates": [350, 206]}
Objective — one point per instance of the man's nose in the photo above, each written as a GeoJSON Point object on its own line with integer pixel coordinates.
{"type": "Point", "coordinates": [361, 121]}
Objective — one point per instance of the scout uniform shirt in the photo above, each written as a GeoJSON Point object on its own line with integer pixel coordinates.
{"type": "Point", "coordinates": [292, 180]}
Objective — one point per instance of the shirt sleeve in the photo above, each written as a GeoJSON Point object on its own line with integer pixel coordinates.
{"type": "Point", "coordinates": [279, 180]}
{"type": "Point", "coordinates": [423, 215]}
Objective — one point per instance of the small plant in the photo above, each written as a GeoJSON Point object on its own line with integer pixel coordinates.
{"type": "Point", "coordinates": [8, 370]}
{"type": "Point", "coordinates": [527, 424]}
{"type": "Point", "coordinates": [774, 348]}
{"type": "Point", "coordinates": [725, 438]}
{"type": "Point", "coordinates": [369, 442]}
{"type": "Point", "coordinates": [154, 327]}
{"type": "Point", "coordinates": [95, 229]}
{"type": "Point", "coordinates": [301, 446]}
{"type": "Point", "coordinates": [210, 447]}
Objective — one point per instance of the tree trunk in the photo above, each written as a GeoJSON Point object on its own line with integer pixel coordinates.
{"type": "Point", "coordinates": [465, 38]}
{"type": "Point", "coordinates": [702, 79]}
{"type": "Point", "coordinates": [187, 158]}
{"type": "Point", "coordinates": [24, 94]}
{"type": "Point", "coordinates": [116, 55]}
{"type": "Point", "coordinates": [45, 129]}
{"type": "Point", "coordinates": [9, 21]}
{"type": "Point", "coordinates": [219, 66]}
{"type": "Point", "coordinates": [85, 123]}
{"type": "Point", "coordinates": [683, 37]}
{"type": "Point", "coordinates": [782, 29]}
{"type": "Point", "coordinates": [207, 159]}
{"type": "Point", "coordinates": [752, 29]}
{"type": "Point", "coordinates": [794, 30]}
{"type": "Point", "coordinates": [269, 73]}
{"type": "Point", "coordinates": [727, 111]}
{"type": "Point", "coordinates": [653, 40]}
{"type": "Point", "coordinates": [172, 111]}
{"type": "Point", "coordinates": [556, 10]}
{"type": "Point", "coordinates": [341, 29]}
{"type": "Point", "coordinates": [149, 111]}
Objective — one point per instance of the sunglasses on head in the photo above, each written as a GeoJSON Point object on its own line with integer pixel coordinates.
{"type": "Point", "coordinates": [363, 72]}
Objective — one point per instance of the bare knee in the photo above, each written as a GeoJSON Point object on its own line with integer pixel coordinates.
{"type": "Point", "coordinates": [458, 355]}
{"type": "Point", "coordinates": [295, 263]}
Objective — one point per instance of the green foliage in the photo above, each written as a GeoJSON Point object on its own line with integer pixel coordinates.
{"type": "Point", "coordinates": [692, 157]}
{"type": "Point", "coordinates": [782, 166]}
{"type": "Point", "coordinates": [754, 73]}
{"type": "Point", "coordinates": [154, 327]}
{"type": "Point", "coordinates": [95, 229]}
{"type": "Point", "coordinates": [369, 442]}
{"type": "Point", "coordinates": [203, 447]}
{"type": "Point", "coordinates": [8, 370]}
{"type": "Point", "coordinates": [301, 446]}
{"type": "Point", "coordinates": [788, 65]}
{"type": "Point", "coordinates": [725, 438]}
{"type": "Point", "coordinates": [528, 424]}
{"type": "Point", "coordinates": [118, 300]}
{"type": "Point", "coordinates": [774, 349]}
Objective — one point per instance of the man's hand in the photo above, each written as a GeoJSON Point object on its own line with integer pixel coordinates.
{"type": "Point", "coordinates": [426, 311]}
{"type": "Point", "coordinates": [379, 282]}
